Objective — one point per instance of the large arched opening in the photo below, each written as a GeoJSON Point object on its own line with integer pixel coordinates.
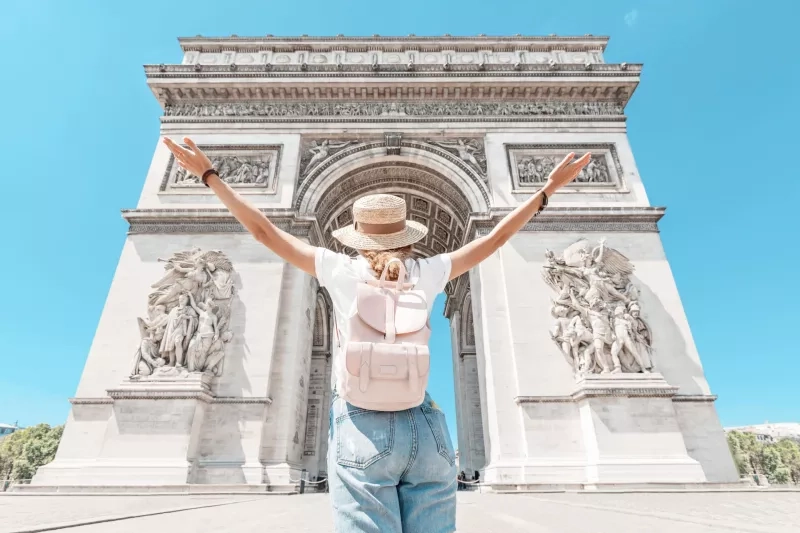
{"type": "Point", "coordinates": [445, 197]}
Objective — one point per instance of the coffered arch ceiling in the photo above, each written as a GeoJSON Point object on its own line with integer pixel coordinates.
{"type": "Point", "coordinates": [430, 198]}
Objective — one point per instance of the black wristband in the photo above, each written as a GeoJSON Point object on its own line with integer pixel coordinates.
{"type": "Point", "coordinates": [544, 203]}
{"type": "Point", "coordinates": [208, 173]}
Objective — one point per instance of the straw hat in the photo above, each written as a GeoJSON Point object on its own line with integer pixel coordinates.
{"type": "Point", "coordinates": [380, 224]}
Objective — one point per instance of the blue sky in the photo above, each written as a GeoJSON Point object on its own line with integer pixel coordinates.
{"type": "Point", "coordinates": [712, 127]}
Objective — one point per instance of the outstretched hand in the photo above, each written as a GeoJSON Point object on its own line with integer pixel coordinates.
{"type": "Point", "coordinates": [193, 159]}
{"type": "Point", "coordinates": [566, 171]}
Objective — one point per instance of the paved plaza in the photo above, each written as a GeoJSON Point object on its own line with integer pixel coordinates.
{"type": "Point", "coordinates": [757, 512]}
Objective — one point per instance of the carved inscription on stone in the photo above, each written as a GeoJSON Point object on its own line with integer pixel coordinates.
{"type": "Point", "coordinates": [597, 315]}
{"type": "Point", "coordinates": [240, 167]}
{"type": "Point", "coordinates": [384, 109]}
{"type": "Point", "coordinates": [187, 328]}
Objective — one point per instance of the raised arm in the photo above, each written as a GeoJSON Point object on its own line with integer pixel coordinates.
{"type": "Point", "coordinates": [476, 251]}
{"type": "Point", "coordinates": [289, 248]}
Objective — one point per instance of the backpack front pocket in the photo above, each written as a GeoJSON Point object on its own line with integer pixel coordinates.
{"type": "Point", "coordinates": [386, 377]}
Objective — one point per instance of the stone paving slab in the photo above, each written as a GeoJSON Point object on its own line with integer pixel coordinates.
{"type": "Point", "coordinates": [485, 513]}
{"type": "Point", "coordinates": [22, 512]}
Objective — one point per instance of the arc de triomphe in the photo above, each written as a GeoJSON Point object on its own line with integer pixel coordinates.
{"type": "Point", "coordinates": [574, 361]}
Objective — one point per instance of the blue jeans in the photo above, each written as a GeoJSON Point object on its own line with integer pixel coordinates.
{"type": "Point", "coordinates": [391, 472]}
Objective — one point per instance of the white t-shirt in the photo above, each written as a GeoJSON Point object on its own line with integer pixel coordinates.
{"type": "Point", "coordinates": [341, 274]}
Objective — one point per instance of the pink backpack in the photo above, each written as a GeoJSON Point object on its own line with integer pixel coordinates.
{"type": "Point", "coordinates": [386, 359]}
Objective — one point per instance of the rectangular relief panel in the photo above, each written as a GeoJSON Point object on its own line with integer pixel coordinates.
{"type": "Point", "coordinates": [247, 168]}
{"type": "Point", "coordinates": [531, 164]}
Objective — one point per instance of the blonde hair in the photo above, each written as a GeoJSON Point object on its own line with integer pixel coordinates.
{"type": "Point", "coordinates": [377, 260]}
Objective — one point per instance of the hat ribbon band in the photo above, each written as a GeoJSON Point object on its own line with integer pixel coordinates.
{"type": "Point", "coordinates": [380, 229]}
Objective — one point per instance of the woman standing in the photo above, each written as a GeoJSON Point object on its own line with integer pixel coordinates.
{"type": "Point", "coordinates": [388, 472]}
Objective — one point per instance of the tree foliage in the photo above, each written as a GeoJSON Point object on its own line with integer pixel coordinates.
{"type": "Point", "coordinates": [779, 461]}
{"type": "Point", "coordinates": [25, 450]}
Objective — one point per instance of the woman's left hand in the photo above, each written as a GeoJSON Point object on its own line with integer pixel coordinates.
{"type": "Point", "coordinates": [193, 160]}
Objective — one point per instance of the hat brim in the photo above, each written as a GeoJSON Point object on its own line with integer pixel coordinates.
{"type": "Point", "coordinates": [349, 236]}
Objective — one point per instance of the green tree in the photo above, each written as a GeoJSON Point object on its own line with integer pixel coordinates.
{"type": "Point", "coordinates": [790, 456]}
{"type": "Point", "coordinates": [772, 463]}
{"type": "Point", "coordinates": [25, 450]}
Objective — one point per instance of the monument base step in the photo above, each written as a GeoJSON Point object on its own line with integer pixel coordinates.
{"type": "Point", "coordinates": [154, 489]}
{"type": "Point", "coordinates": [745, 485]}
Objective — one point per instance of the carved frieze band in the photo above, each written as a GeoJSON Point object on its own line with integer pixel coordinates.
{"type": "Point", "coordinates": [530, 165]}
{"type": "Point", "coordinates": [476, 110]}
{"type": "Point", "coordinates": [246, 167]}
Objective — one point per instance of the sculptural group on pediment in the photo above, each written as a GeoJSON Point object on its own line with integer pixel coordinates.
{"type": "Point", "coordinates": [233, 170]}
{"type": "Point", "coordinates": [187, 327]}
{"type": "Point", "coordinates": [598, 323]}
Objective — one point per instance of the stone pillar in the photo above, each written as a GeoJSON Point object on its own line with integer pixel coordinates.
{"type": "Point", "coordinates": [282, 438]}
{"type": "Point", "coordinates": [496, 365]}
{"type": "Point", "coordinates": [473, 412]}
{"type": "Point", "coordinates": [315, 441]}
{"type": "Point", "coordinates": [315, 435]}
{"type": "Point", "coordinates": [464, 458]}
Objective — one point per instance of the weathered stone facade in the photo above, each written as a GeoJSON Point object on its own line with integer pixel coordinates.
{"type": "Point", "coordinates": [465, 129]}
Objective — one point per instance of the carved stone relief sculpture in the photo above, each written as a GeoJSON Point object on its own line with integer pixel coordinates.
{"type": "Point", "coordinates": [245, 167]}
{"type": "Point", "coordinates": [531, 164]}
{"type": "Point", "coordinates": [536, 169]}
{"type": "Point", "coordinates": [470, 151]}
{"type": "Point", "coordinates": [233, 170]}
{"type": "Point", "coordinates": [598, 324]}
{"type": "Point", "coordinates": [187, 327]}
{"type": "Point", "coordinates": [385, 109]}
{"type": "Point", "coordinates": [316, 152]}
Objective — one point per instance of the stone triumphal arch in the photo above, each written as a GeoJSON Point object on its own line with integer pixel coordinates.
{"type": "Point", "coordinates": [574, 361]}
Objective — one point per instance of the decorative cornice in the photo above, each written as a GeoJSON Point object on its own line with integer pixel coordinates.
{"type": "Point", "coordinates": [490, 71]}
{"type": "Point", "coordinates": [219, 220]}
{"type": "Point", "coordinates": [624, 392]}
{"type": "Point", "coordinates": [387, 42]}
{"type": "Point", "coordinates": [132, 394]}
{"type": "Point", "coordinates": [609, 392]}
{"type": "Point", "coordinates": [105, 400]}
{"type": "Point", "coordinates": [580, 219]}
{"type": "Point", "coordinates": [109, 400]}
{"type": "Point", "coordinates": [243, 400]}
{"type": "Point", "coordinates": [212, 220]}
{"type": "Point", "coordinates": [543, 399]}
{"type": "Point", "coordinates": [701, 398]}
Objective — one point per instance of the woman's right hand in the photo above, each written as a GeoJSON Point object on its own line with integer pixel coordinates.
{"type": "Point", "coordinates": [565, 172]}
{"type": "Point", "coordinates": [194, 160]}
